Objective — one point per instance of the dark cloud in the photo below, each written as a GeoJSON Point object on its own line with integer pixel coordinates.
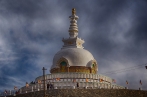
{"type": "Point", "coordinates": [26, 8]}
{"type": "Point", "coordinates": [31, 32]}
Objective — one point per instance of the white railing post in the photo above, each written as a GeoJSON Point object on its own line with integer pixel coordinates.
{"type": "Point", "coordinates": [41, 87]}
{"type": "Point", "coordinates": [10, 92]}
{"type": "Point", "coordinates": [32, 88]}
{"type": "Point", "coordinates": [35, 87]}
{"type": "Point", "coordinates": [38, 87]}
{"type": "Point", "coordinates": [85, 87]}
{"type": "Point", "coordinates": [45, 86]}
{"type": "Point", "coordinates": [20, 90]}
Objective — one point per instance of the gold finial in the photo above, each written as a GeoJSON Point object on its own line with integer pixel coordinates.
{"type": "Point", "coordinates": [73, 11]}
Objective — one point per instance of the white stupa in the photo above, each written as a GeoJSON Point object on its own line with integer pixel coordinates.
{"type": "Point", "coordinates": [73, 64]}
{"type": "Point", "coordinates": [72, 55]}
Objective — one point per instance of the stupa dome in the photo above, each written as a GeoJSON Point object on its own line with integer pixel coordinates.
{"type": "Point", "coordinates": [73, 57]}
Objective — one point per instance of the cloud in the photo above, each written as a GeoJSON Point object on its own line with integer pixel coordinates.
{"type": "Point", "coordinates": [31, 33]}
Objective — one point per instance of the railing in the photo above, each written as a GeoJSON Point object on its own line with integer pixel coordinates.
{"type": "Point", "coordinates": [9, 92]}
{"type": "Point", "coordinates": [94, 77]}
{"type": "Point", "coordinates": [66, 82]}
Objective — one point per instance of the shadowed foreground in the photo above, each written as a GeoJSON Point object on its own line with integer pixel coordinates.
{"type": "Point", "coordinates": [87, 93]}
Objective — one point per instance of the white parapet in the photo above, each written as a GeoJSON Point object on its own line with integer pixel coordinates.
{"type": "Point", "coordinates": [70, 80]}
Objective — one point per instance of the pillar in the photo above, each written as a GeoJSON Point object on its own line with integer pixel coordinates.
{"type": "Point", "coordinates": [10, 92]}
{"type": "Point", "coordinates": [20, 91]}
{"type": "Point", "coordinates": [38, 87]}
{"type": "Point", "coordinates": [32, 88]}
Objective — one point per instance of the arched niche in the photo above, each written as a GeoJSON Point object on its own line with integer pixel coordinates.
{"type": "Point", "coordinates": [93, 66]}
{"type": "Point", "coordinates": [63, 64]}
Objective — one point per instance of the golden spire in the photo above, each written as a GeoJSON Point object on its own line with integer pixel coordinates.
{"type": "Point", "coordinates": [73, 11]}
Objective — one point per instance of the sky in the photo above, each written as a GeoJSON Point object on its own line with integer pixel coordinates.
{"type": "Point", "coordinates": [114, 31]}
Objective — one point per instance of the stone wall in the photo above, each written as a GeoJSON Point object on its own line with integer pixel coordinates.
{"type": "Point", "coordinates": [88, 93]}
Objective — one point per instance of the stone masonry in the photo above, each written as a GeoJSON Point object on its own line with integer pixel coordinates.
{"type": "Point", "coordinates": [87, 93]}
